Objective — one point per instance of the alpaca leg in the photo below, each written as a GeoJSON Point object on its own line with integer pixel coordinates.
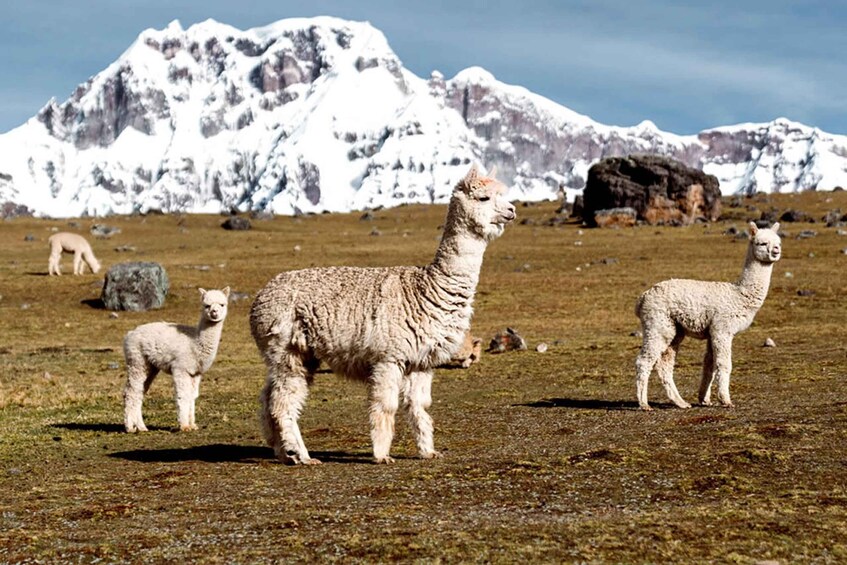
{"type": "Point", "coordinates": [137, 382]}
{"type": "Point", "coordinates": [656, 341]}
{"type": "Point", "coordinates": [53, 266]}
{"type": "Point", "coordinates": [385, 400]}
{"type": "Point", "coordinates": [417, 397]}
{"type": "Point", "coordinates": [708, 375]}
{"type": "Point", "coordinates": [195, 386]}
{"type": "Point", "coordinates": [664, 367]}
{"type": "Point", "coordinates": [723, 368]}
{"type": "Point", "coordinates": [77, 263]}
{"type": "Point", "coordinates": [282, 399]}
{"type": "Point", "coordinates": [184, 391]}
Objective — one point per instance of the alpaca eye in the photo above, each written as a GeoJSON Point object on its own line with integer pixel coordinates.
{"type": "Point", "coordinates": [484, 198]}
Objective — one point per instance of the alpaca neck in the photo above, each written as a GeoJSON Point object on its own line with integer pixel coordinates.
{"type": "Point", "coordinates": [208, 338]}
{"type": "Point", "coordinates": [755, 279]}
{"type": "Point", "coordinates": [459, 257]}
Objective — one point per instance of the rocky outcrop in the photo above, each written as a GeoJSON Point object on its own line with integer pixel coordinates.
{"type": "Point", "coordinates": [660, 190]}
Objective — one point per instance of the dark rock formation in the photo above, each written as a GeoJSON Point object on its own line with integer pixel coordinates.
{"type": "Point", "coordinates": [135, 286]}
{"type": "Point", "coordinates": [236, 223]}
{"type": "Point", "coordinates": [621, 217]}
{"type": "Point", "coordinates": [659, 189]}
{"type": "Point", "coordinates": [9, 210]}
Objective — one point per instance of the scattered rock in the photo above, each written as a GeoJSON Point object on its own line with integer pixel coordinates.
{"type": "Point", "coordinates": [238, 296]}
{"type": "Point", "coordinates": [135, 286]}
{"type": "Point", "coordinates": [47, 376]}
{"type": "Point", "coordinates": [74, 224]}
{"type": "Point", "coordinates": [840, 232]}
{"type": "Point", "coordinates": [636, 333]}
{"type": "Point", "coordinates": [375, 232]}
{"type": "Point", "coordinates": [29, 237]}
{"type": "Point", "coordinates": [113, 365]}
{"type": "Point", "coordinates": [26, 306]}
{"type": "Point", "coordinates": [236, 223]}
{"type": "Point", "coordinates": [834, 218]}
{"type": "Point", "coordinates": [844, 251]}
{"type": "Point", "coordinates": [660, 190]}
{"type": "Point", "coordinates": [368, 216]}
{"type": "Point", "coordinates": [541, 347]}
{"type": "Point", "coordinates": [794, 216]}
{"type": "Point", "coordinates": [297, 249]}
{"type": "Point", "coordinates": [621, 217]}
{"type": "Point", "coordinates": [124, 248]}
{"type": "Point", "coordinates": [507, 341]}
{"type": "Point", "coordinates": [261, 215]}
{"type": "Point", "coordinates": [114, 315]}
{"type": "Point", "coordinates": [806, 234]}
{"type": "Point", "coordinates": [769, 343]}
{"type": "Point", "coordinates": [731, 230]}
{"type": "Point", "coordinates": [806, 292]}
{"type": "Point", "coordinates": [102, 231]}
{"type": "Point", "coordinates": [789, 275]}
{"type": "Point", "coordinates": [606, 261]}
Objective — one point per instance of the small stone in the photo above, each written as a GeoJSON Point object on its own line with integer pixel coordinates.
{"type": "Point", "coordinates": [807, 234]}
{"type": "Point", "coordinates": [811, 255]}
{"type": "Point", "coordinates": [236, 223]}
{"type": "Point", "coordinates": [29, 237]}
{"type": "Point", "coordinates": [113, 365]}
{"type": "Point", "coordinates": [297, 249]}
{"type": "Point", "coordinates": [636, 333]}
{"type": "Point", "coordinates": [47, 376]}
{"type": "Point", "coordinates": [805, 292]}
{"type": "Point", "coordinates": [25, 306]}
{"type": "Point", "coordinates": [541, 347]}
{"type": "Point", "coordinates": [114, 315]}
{"type": "Point", "coordinates": [368, 216]}
{"type": "Point", "coordinates": [841, 232]}
{"type": "Point", "coordinates": [375, 232]}
{"type": "Point", "coordinates": [577, 243]}
{"type": "Point", "coordinates": [769, 343]}
{"type": "Point", "coordinates": [789, 275]}
{"type": "Point", "coordinates": [844, 251]}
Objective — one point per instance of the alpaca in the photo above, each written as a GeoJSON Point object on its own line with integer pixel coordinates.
{"type": "Point", "coordinates": [469, 352]}
{"type": "Point", "coordinates": [714, 311]}
{"type": "Point", "coordinates": [70, 243]}
{"type": "Point", "coordinates": [386, 326]}
{"type": "Point", "coordinates": [185, 352]}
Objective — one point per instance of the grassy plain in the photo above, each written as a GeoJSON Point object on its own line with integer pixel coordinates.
{"type": "Point", "coordinates": [546, 456]}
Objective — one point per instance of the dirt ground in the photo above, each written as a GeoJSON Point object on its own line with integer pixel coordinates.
{"type": "Point", "coordinates": [546, 457]}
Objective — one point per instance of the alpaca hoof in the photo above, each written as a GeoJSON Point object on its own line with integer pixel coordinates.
{"type": "Point", "coordinates": [189, 428]}
{"type": "Point", "coordinates": [683, 405]}
{"type": "Point", "coordinates": [311, 461]}
{"type": "Point", "coordinates": [646, 408]}
{"type": "Point", "coordinates": [431, 455]}
{"type": "Point", "coordinates": [383, 460]}
{"type": "Point", "coordinates": [705, 403]}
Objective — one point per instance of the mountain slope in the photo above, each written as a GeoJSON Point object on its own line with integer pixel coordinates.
{"type": "Point", "coordinates": [320, 114]}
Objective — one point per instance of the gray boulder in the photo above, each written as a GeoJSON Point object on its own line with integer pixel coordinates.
{"type": "Point", "coordinates": [135, 286]}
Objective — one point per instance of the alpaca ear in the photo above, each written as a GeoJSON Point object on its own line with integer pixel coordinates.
{"type": "Point", "coordinates": [753, 228]}
{"type": "Point", "coordinates": [202, 291]}
{"type": "Point", "coordinates": [775, 227]}
{"type": "Point", "coordinates": [226, 291]}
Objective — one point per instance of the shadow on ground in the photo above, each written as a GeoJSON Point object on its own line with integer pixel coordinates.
{"type": "Point", "coordinates": [111, 428]}
{"type": "Point", "coordinates": [590, 404]}
{"type": "Point", "coordinates": [221, 453]}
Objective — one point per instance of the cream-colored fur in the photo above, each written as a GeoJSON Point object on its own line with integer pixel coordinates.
{"type": "Point", "coordinates": [70, 243]}
{"type": "Point", "coordinates": [186, 352]}
{"type": "Point", "coordinates": [714, 311]}
{"type": "Point", "coordinates": [386, 326]}
{"type": "Point", "coordinates": [469, 353]}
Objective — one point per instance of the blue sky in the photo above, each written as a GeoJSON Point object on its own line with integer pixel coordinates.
{"type": "Point", "coordinates": [685, 67]}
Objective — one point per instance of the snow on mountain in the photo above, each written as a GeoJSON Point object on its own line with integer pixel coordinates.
{"type": "Point", "coordinates": [319, 114]}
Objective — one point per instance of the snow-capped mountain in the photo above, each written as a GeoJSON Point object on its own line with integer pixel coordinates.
{"type": "Point", "coordinates": [319, 114]}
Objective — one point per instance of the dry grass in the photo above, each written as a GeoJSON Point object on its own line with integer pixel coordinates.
{"type": "Point", "coordinates": [546, 457]}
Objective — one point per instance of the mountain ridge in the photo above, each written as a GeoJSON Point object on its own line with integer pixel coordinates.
{"type": "Point", "coordinates": [319, 114]}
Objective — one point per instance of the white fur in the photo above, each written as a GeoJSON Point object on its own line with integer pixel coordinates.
{"type": "Point", "coordinates": [714, 311]}
{"type": "Point", "coordinates": [386, 326]}
{"type": "Point", "coordinates": [70, 243]}
{"type": "Point", "coordinates": [186, 352]}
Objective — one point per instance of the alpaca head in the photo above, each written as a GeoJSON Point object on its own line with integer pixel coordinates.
{"type": "Point", "coordinates": [765, 245]}
{"type": "Point", "coordinates": [479, 204]}
{"type": "Point", "coordinates": [95, 265]}
{"type": "Point", "coordinates": [215, 304]}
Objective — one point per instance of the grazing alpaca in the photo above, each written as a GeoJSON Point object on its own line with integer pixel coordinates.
{"type": "Point", "coordinates": [70, 243]}
{"type": "Point", "coordinates": [386, 326]}
{"type": "Point", "coordinates": [186, 352]}
{"type": "Point", "coordinates": [714, 311]}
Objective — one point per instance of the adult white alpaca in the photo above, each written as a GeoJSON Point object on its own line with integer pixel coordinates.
{"type": "Point", "coordinates": [70, 243]}
{"type": "Point", "coordinates": [714, 311]}
{"type": "Point", "coordinates": [386, 326]}
{"type": "Point", "coordinates": [186, 352]}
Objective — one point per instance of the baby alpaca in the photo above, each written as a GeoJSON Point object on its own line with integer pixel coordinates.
{"type": "Point", "coordinates": [714, 311]}
{"type": "Point", "coordinates": [185, 352]}
{"type": "Point", "coordinates": [70, 243]}
{"type": "Point", "coordinates": [388, 327]}
{"type": "Point", "coordinates": [469, 353]}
